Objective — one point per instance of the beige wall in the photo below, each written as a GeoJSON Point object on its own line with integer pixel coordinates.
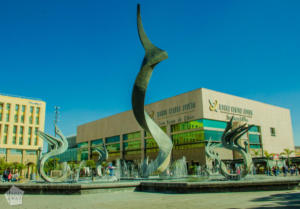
{"type": "Point", "coordinates": [263, 115]}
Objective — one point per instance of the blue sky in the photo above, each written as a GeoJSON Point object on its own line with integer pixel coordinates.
{"type": "Point", "coordinates": [84, 55]}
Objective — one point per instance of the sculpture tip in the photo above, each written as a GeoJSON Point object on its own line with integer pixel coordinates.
{"type": "Point", "coordinates": [138, 7]}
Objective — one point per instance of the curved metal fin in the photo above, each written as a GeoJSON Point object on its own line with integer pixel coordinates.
{"type": "Point", "coordinates": [143, 37]}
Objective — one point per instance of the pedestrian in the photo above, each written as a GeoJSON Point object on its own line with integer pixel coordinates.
{"type": "Point", "coordinates": [5, 175]}
{"type": "Point", "coordinates": [9, 177]}
{"type": "Point", "coordinates": [284, 170]}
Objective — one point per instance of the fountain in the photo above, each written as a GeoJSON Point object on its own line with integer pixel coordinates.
{"type": "Point", "coordinates": [179, 168]}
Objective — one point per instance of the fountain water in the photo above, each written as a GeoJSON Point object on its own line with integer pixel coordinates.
{"type": "Point", "coordinates": [179, 168]}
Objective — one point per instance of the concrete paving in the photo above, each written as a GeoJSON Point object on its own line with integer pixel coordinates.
{"type": "Point", "coordinates": [141, 200]}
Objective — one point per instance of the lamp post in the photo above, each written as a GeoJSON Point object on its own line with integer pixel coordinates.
{"type": "Point", "coordinates": [56, 118]}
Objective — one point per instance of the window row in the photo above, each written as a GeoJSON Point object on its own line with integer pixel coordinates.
{"type": "Point", "coordinates": [18, 134]}
{"type": "Point", "coordinates": [19, 113]}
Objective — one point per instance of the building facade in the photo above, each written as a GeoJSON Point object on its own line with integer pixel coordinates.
{"type": "Point", "coordinates": [190, 119]}
{"type": "Point", "coordinates": [20, 119]}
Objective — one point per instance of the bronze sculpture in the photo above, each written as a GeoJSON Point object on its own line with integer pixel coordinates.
{"type": "Point", "coordinates": [153, 56]}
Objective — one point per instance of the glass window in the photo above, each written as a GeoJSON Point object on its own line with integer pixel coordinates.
{"type": "Point", "coordinates": [1, 111]}
{"type": "Point", "coordinates": [29, 135]}
{"type": "Point", "coordinates": [16, 116]}
{"type": "Point", "coordinates": [31, 109]}
{"type": "Point", "coordinates": [14, 141]}
{"type": "Point", "coordinates": [29, 140]}
{"type": "Point", "coordinates": [37, 120]}
{"type": "Point", "coordinates": [5, 134]}
{"type": "Point", "coordinates": [15, 129]}
{"type": "Point", "coordinates": [23, 114]}
{"type": "Point", "coordinates": [213, 135]}
{"type": "Point", "coordinates": [37, 117]}
{"type": "Point", "coordinates": [255, 146]}
{"type": "Point", "coordinates": [254, 139]}
{"type": "Point", "coordinates": [113, 139]}
{"type": "Point", "coordinates": [70, 155]}
{"type": "Point", "coordinates": [135, 135]}
{"type": "Point", "coordinates": [254, 129]}
{"type": "Point", "coordinates": [83, 144]}
{"type": "Point", "coordinates": [2, 150]}
{"type": "Point", "coordinates": [188, 137]}
{"type": "Point", "coordinates": [272, 131]}
{"type": "Point", "coordinates": [96, 142]}
{"type": "Point", "coordinates": [214, 124]}
{"type": "Point", "coordinates": [21, 135]}
{"type": "Point", "coordinates": [189, 146]}
{"type": "Point", "coordinates": [30, 119]}
{"type": "Point", "coordinates": [84, 155]}
{"type": "Point", "coordinates": [113, 148]}
{"type": "Point", "coordinates": [36, 136]}
{"type": "Point", "coordinates": [7, 112]}
{"type": "Point", "coordinates": [187, 125]}
{"type": "Point", "coordinates": [132, 145]}
{"type": "Point", "coordinates": [22, 118]}
{"type": "Point", "coordinates": [150, 143]}
{"type": "Point", "coordinates": [16, 151]}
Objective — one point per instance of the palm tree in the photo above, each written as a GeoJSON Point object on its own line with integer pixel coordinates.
{"type": "Point", "coordinates": [268, 155]}
{"type": "Point", "coordinates": [256, 153]}
{"type": "Point", "coordinates": [287, 152]}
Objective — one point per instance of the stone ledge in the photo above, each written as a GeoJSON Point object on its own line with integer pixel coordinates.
{"type": "Point", "coordinates": [59, 188]}
{"type": "Point", "coordinates": [223, 186]}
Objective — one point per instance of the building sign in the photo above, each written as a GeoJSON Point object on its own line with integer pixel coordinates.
{"type": "Point", "coordinates": [242, 113]}
{"type": "Point", "coordinates": [177, 109]}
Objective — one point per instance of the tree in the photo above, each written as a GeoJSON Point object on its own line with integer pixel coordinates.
{"type": "Point", "coordinates": [20, 167]}
{"type": "Point", "coordinates": [256, 153]}
{"type": "Point", "coordinates": [287, 152]}
{"type": "Point", "coordinates": [90, 163]}
{"type": "Point", "coordinates": [268, 155]}
{"type": "Point", "coordinates": [51, 164]}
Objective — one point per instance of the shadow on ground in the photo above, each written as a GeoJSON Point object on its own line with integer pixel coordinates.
{"type": "Point", "coordinates": [285, 200]}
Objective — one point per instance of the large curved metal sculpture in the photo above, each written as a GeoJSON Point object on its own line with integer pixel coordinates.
{"type": "Point", "coordinates": [230, 139]}
{"type": "Point", "coordinates": [153, 56]}
{"type": "Point", "coordinates": [102, 156]}
{"type": "Point", "coordinates": [58, 146]}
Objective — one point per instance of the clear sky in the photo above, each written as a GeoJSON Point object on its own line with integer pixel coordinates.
{"type": "Point", "coordinates": [84, 55]}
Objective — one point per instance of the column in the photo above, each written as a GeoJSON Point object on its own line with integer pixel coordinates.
{"type": "Point", "coordinates": [121, 148]}
{"type": "Point", "coordinates": [89, 150]}
{"type": "Point", "coordinates": [7, 154]}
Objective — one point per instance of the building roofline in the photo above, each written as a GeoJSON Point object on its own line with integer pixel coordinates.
{"type": "Point", "coordinates": [248, 99]}
{"type": "Point", "coordinates": [21, 97]}
{"type": "Point", "coordinates": [197, 89]}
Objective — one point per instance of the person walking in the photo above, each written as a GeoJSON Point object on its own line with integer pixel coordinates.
{"type": "Point", "coordinates": [284, 170]}
{"type": "Point", "coordinates": [9, 177]}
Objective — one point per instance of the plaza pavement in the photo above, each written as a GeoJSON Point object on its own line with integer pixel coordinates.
{"type": "Point", "coordinates": [128, 199]}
